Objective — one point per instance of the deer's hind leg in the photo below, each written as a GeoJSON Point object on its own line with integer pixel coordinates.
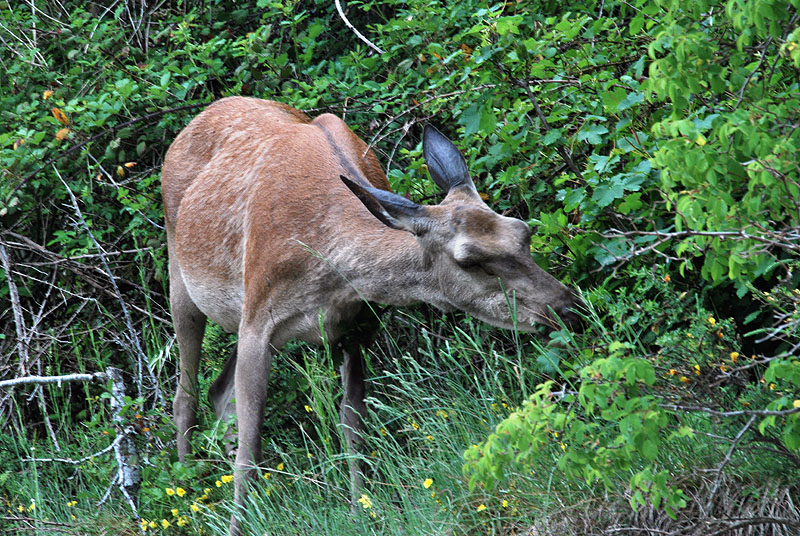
{"type": "Point", "coordinates": [221, 396]}
{"type": "Point", "coordinates": [190, 324]}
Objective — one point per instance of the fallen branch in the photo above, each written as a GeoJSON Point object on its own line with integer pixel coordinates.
{"type": "Point", "coordinates": [40, 380]}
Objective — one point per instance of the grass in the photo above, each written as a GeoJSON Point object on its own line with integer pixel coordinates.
{"type": "Point", "coordinates": [429, 398]}
{"type": "Point", "coordinates": [425, 409]}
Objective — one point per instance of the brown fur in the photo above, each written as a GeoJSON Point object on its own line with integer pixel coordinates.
{"type": "Point", "coordinates": [264, 237]}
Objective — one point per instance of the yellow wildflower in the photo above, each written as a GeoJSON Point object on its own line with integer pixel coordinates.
{"type": "Point", "coordinates": [480, 508]}
{"type": "Point", "coordinates": [365, 501]}
{"type": "Point", "coordinates": [226, 478]}
{"type": "Point", "coordinates": [428, 483]}
{"type": "Point", "coordinates": [280, 466]}
{"type": "Point", "coordinates": [174, 512]}
{"type": "Point", "coordinates": [180, 492]}
{"type": "Point", "coordinates": [195, 507]}
{"type": "Point", "coordinates": [712, 320]}
{"type": "Point", "coordinates": [182, 522]}
{"type": "Point", "coordinates": [796, 404]}
{"type": "Point", "coordinates": [505, 502]}
{"type": "Point", "coordinates": [697, 369]}
{"type": "Point", "coordinates": [309, 409]}
{"type": "Point", "coordinates": [414, 425]}
{"type": "Point", "coordinates": [170, 492]}
{"type": "Point", "coordinates": [165, 523]}
{"type": "Point", "coordinates": [218, 483]}
{"type": "Point", "coordinates": [734, 356]}
{"type": "Point", "coordinates": [152, 525]}
{"type": "Point", "coordinates": [684, 379]}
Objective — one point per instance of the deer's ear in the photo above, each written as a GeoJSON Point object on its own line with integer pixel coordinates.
{"type": "Point", "coordinates": [446, 164]}
{"type": "Point", "coordinates": [393, 210]}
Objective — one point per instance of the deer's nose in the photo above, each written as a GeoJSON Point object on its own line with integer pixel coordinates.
{"type": "Point", "coordinates": [568, 314]}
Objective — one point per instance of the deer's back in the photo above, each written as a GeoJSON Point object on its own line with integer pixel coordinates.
{"type": "Point", "coordinates": [250, 188]}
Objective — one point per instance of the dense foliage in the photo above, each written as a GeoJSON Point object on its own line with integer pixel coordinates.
{"type": "Point", "coordinates": [653, 146]}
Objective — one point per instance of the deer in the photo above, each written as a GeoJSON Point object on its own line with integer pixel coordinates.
{"type": "Point", "coordinates": [278, 224]}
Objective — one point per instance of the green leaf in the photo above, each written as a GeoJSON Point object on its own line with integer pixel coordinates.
{"type": "Point", "coordinates": [506, 25]}
{"type": "Point", "coordinates": [630, 203]}
{"type": "Point", "coordinates": [552, 136]}
{"type": "Point", "coordinates": [649, 449]}
{"type": "Point", "coordinates": [636, 24]}
{"type": "Point", "coordinates": [592, 133]}
{"type": "Point", "coordinates": [607, 192]}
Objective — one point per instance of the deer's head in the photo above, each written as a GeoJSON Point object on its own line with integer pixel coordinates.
{"type": "Point", "coordinates": [481, 259]}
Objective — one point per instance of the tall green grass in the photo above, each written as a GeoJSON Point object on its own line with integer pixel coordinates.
{"type": "Point", "coordinates": [435, 388]}
{"type": "Point", "coordinates": [424, 410]}
{"type": "Point", "coordinates": [429, 398]}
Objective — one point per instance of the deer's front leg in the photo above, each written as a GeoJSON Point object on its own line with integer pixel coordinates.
{"type": "Point", "coordinates": [253, 364]}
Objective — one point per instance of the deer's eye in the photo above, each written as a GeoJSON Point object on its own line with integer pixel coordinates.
{"type": "Point", "coordinates": [468, 264]}
{"type": "Point", "coordinates": [473, 265]}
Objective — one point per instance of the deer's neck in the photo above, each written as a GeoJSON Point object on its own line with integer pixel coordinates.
{"type": "Point", "coordinates": [389, 267]}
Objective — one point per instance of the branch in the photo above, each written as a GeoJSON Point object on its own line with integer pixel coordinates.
{"type": "Point", "coordinates": [724, 462]}
{"type": "Point", "coordinates": [127, 475]}
{"type": "Point", "coordinates": [41, 380]}
{"type": "Point", "coordinates": [81, 460]}
{"type": "Point", "coordinates": [358, 34]}
{"type": "Point", "coordinates": [132, 335]}
{"type": "Point", "coordinates": [789, 241]}
{"type": "Point", "coordinates": [125, 449]}
{"type": "Point", "coordinates": [562, 151]}
{"type": "Point", "coordinates": [756, 412]}
{"type": "Point", "coordinates": [377, 138]}
{"type": "Point", "coordinates": [19, 320]}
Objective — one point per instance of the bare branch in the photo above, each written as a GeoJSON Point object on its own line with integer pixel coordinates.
{"type": "Point", "coordinates": [377, 138]}
{"type": "Point", "coordinates": [141, 361]}
{"type": "Point", "coordinates": [79, 461]}
{"type": "Point", "coordinates": [756, 412]}
{"type": "Point", "coordinates": [562, 151]}
{"type": "Point", "coordinates": [725, 461]}
{"type": "Point", "coordinates": [19, 319]}
{"type": "Point", "coordinates": [42, 380]}
{"type": "Point", "coordinates": [358, 34]}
